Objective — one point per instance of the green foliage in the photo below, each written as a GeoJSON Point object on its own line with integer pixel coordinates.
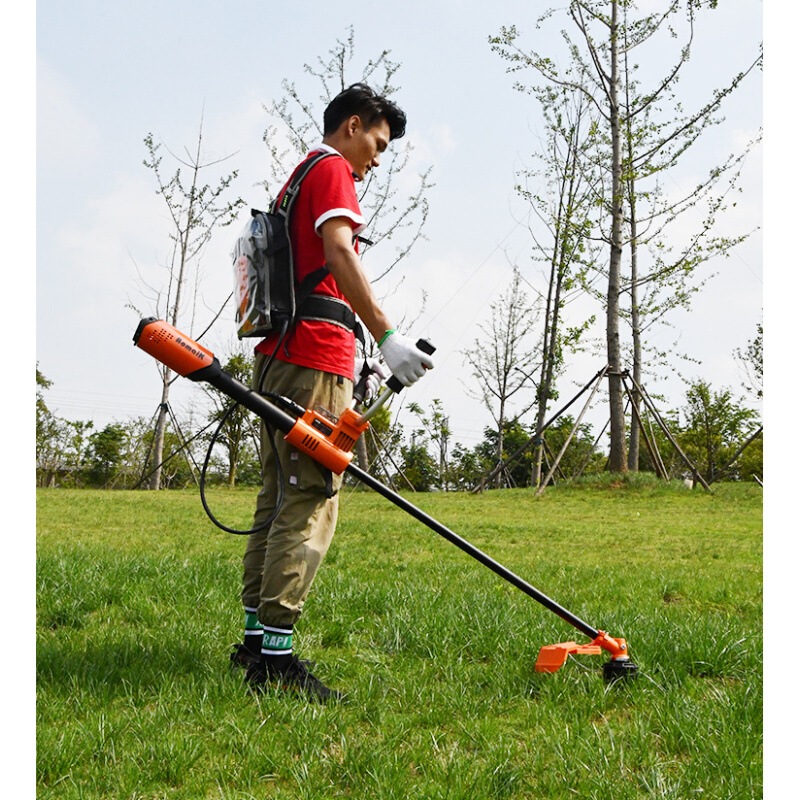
{"type": "Point", "coordinates": [515, 435]}
{"type": "Point", "coordinates": [435, 430]}
{"type": "Point", "coordinates": [238, 436]}
{"type": "Point", "coordinates": [716, 426]}
{"type": "Point", "coordinates": [105, 453]}
{"type": "Point", "coordinates": [750, 464]}
{"type": "Point", "coordinates": [435, 652]}
{"type": "Point", "coordinates": [69, 454]}
{"type": "Point", "coordinates": [752, 361]}
{"type": "Point", "coordinates": [61, 445]}
{"type": "Point", "coordinates": [467, 464]}
{"type": "Point", "coordinates": [580, 455]}
{"type": "Point", "coordinates": [419, 467]}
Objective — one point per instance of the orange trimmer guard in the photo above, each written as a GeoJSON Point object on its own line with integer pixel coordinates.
{"type": "Point", "coordinates": [553, 656]}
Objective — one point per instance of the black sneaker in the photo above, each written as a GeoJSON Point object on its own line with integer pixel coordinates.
{"type": "Point", "coordinates": [294, 677]}
{"type": "Point", "coordinates": [242, 656]}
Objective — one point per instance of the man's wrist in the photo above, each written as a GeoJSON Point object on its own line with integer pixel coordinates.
{"type": "Point", "coordinates": [386, 336]}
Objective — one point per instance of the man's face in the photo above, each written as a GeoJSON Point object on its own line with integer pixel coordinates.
{"type": "Point", "coordinates": [366, 145]}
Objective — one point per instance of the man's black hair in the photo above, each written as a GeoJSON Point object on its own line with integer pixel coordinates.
{"type": "Point", "coordinates": [359, 99]}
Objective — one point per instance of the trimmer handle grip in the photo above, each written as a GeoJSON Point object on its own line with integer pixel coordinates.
{"type": "Point", "coordinates": [360, 389]}
{"type": "Point", "coordinates": [427, 348]}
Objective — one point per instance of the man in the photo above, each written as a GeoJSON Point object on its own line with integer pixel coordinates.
{"type": "Point", "coordinates": [314, 366]}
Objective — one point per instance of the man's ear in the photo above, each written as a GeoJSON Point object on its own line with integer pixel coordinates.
{"type": "Point", "coordinates": [353, 124]}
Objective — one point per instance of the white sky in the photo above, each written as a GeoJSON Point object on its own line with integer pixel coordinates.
{"type": "Point", "coordinates": [107, 74]}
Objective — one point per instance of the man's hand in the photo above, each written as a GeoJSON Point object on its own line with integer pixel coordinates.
{"type": "Point", "coordinates": [406, 361]}
{"type": "Point", "coordinates": [376, 375]}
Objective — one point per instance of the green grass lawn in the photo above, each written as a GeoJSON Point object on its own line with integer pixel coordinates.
{"type": "Point", "coordinates": [138, 607]}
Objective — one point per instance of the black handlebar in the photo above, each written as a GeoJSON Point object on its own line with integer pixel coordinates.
{"type": "Point", "coordinates": [427, 348]}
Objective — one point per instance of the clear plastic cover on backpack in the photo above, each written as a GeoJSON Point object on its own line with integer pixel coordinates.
{"type": "Point", "coordinates": [251, 284]}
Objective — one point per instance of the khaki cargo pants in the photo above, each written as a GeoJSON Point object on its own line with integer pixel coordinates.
{"type": "Point", "coordinates": [280, 563]}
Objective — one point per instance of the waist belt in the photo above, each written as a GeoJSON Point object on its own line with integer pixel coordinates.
{"type": "Point", "coordinates": [324, 308]}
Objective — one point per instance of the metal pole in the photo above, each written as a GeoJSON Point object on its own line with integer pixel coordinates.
{"type": "Point", "coordinates": [663, 426]}
{"type": "Point", "coordinates": [503, 464]}
{"type": "Point", "coordinates": [471, 550]}
{"type": "Point", "coordinates": [657, 465]}
{"type": "Point", "coordinates": [572, 432]}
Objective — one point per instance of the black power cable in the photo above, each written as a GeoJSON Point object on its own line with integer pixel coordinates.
{"type": "Point", "coordinates": [281, 479]}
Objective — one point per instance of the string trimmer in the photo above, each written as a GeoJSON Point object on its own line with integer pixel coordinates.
{"type": "Point", "coordinates": [331, 441]}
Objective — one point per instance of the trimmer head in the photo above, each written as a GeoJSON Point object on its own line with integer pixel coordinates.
{"type": "Point", "coordinates": [553, 656]}
{"type": "Point", "coordinates": [616, 670]}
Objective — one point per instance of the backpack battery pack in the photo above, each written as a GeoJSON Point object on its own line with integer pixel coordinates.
{"type": "Point", "coordinates": [263, 266]}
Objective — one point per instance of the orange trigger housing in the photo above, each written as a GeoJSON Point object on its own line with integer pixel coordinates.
{"type": "Point", "coordinates": [328, 441]}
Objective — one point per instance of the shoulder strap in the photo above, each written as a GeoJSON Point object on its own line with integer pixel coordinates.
{"type": "Point", "coordinates": [310, 282]}
{"type": "Point", "coordinates": [283, 203]}
{"type": "Point", "coordinates": [284, 209]}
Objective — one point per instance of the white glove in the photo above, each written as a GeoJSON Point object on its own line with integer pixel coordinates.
{"type": "Point", "coordinates": [406, 361]}
{"type": "Point", "coordinates": [378, 374]}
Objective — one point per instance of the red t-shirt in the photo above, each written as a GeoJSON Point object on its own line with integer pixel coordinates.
{"type": "Point", "coordinates": [327, 191]}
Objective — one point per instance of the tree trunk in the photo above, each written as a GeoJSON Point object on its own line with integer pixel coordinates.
{"type": "Point", "coordinates": [633, 444]}
{"type": "Point", "coordinates": [232, 467]}
{"type": "Point", "coordinates": [616, 461]}
{"type": "Point", "coordinates": [361, 453]}
{"type": "Point", "coordinates": [161, 426]}
{"type": "Point", "coordinates": [502, 419]}
{"type": "Point", "coordinates": [564, 245]}
{"type": "Point", "coordinates": [636, 324]}
{"type": "Point", "coordinates": [545, 378]}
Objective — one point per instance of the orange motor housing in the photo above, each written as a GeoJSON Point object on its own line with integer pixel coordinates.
{"type": "Point", "coordinates": [169, 346]}
{"type": "Point", "coordinates": [327, 440]}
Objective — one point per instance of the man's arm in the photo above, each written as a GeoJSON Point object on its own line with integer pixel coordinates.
{"type": "Point", "coordinates": [405, 360]}
{"type": "Point", "coordinates": [344, 264]}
